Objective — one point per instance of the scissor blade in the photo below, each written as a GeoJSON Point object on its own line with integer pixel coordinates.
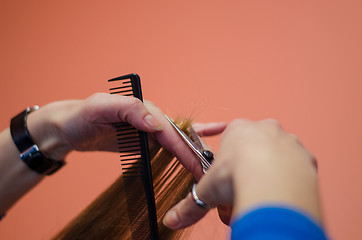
{"type": "Point", "coordinates": [196, 147]}
{"type": "Point", "coordinates": [185, 138]}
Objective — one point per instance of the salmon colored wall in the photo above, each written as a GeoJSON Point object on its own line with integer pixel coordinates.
{"type": "Point", "coordinates": [296, 61]}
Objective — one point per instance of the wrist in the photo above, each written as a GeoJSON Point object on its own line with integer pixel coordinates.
{"type": "Point", "coordinates": [45, 132]}
{"type": "Point", "coordinates": [290, 183]}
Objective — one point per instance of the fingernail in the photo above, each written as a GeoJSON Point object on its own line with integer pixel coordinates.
{"type": "Point", "coordinates": [171, 220]}
{"type": "Point", "coordinates": [153, 123]}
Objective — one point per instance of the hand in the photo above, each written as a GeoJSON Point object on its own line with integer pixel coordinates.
{"type": "Point", "coordinates": [258, 163]}
{"type": "Point", "coordinates": [87, 125]}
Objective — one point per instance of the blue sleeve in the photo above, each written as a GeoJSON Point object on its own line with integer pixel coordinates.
{"type": "Point", "coordinates": [276, 223]}
{"type": "Point", "coordinates": [1, 216]}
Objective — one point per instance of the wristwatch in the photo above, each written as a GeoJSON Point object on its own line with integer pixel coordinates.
{"type": "Point", "coordinates": [29, 151]}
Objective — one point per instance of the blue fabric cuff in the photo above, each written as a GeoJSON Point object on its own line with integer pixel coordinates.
{"type": "Point", "coordinates": [1, 216]}
{"type": "Point", "coordinates": [280, 223]}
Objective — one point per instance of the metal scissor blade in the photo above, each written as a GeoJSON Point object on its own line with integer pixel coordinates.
{"type": "Point", "coordinates": [194, 147]}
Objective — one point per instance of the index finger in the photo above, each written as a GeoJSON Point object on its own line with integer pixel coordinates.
{"type": "Point", "coordinates": [209, 129]}
{"type": "Point", "coordinates": [169, 139]}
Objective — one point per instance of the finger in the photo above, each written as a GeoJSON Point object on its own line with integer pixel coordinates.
{"type": "Point", "coordinates": [170, 140]}
{"type": "Point", "coordinates": [213, 189]}
{"type": "Point", "coordinates": [225, 212]}
{"type": "Point", "coordinates": [271, 121]}
{"type": "Point", "coordinates": [104, 108]}
{"type": "Point", "coordinates": [184, 214]}
{"type": "Point", "coordinates": [209, 129]}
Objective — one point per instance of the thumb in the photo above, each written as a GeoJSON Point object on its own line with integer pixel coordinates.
{"type": "Point", "coordinates": [184, 214]}
{"type": "Point", "coordinates": [213, 189]}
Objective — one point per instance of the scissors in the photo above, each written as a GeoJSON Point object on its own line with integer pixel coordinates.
{"type": "Point", "coordinates": [195, 143]}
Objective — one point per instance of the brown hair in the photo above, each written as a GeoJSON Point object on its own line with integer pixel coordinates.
{"type": "Point", "coordinates": [107, 218]}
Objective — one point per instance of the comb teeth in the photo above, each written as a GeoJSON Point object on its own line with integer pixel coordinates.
{"type": "Point", "coordinates": [128, 139]}
{"type": "Point", "coordinates": [122, 87]}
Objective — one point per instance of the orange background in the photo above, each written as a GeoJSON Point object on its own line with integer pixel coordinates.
{"type": "Point", "coordinates": [296, 61]}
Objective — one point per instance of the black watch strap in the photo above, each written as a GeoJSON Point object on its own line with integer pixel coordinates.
{"type": "Point", "coordinates": [29, 151]}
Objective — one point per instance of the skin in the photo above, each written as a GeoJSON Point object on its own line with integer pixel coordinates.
{"type": "Point", "coordinates": [258, 163]}
{"type": "Point", "coordinates": [86, 125]}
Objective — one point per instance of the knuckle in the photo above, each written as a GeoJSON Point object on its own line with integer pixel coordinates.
{"type": "Point", "coordinates": [295, 138]}
{"type": "Point", "coordinates": [272, 121]}
{"type": "Point", "coordinates": [97, 96]}
{"type": "Point", "coordinates": [131, 105]}
{"type": "Point", "coordinates": [237, 126]}
{"type": "Point", "coordinates": [272, 126]}
{"type": "Point", "coordinates": [239, 121]}
{"type": "Point", "coordinates": [236, 123]}
{"type": "Point", "coordinates": [313, 159]}
{"type": "Point", "coordinates": [95, 102]}
{"type": "Point", "coordinates": [132, 100]}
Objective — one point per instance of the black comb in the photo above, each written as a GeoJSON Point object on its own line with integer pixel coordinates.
{"type": "Point", "coordinates": [136, 166]}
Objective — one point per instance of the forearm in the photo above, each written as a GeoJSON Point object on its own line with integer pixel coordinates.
{"type": "Point", "coordinates": [16, 177]}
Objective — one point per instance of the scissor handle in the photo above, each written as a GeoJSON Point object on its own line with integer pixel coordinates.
{"type": "Point", "coordinates": [209, 156]}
